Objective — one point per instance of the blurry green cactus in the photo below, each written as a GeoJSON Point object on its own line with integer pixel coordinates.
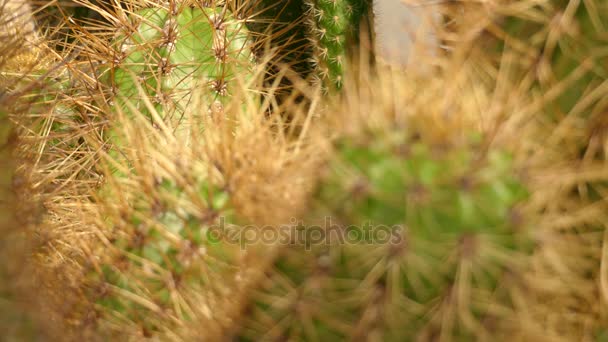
{"type": "Point", "coordinates": [554, 52]}
{"type": "Point", "coordinates": [424, 239]}
{"type": "Point", "coordinates": [170, 51]}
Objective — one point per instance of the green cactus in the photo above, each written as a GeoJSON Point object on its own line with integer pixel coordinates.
{"type": "Point", "coordinates": [158, 266]}
{"type": "Point", "coordinates": [315, 38]}
{"type": "Point", "coordinates": [433, 243]}
{"type": "Point", "coordinates": [333, 30]}
{"type": "Point", "coordinates": [164, 263]}
{"type": "Point", "coordinates": [169, 51]}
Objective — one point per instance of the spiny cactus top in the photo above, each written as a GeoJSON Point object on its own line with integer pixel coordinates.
{"type": "Point", "coordinates": [170, 51]}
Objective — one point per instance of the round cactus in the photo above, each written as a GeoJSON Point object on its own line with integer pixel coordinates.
{"type": "Point", "coordinates": [419, 228]}
{"type": "Point", "coordinates": [420, 232]}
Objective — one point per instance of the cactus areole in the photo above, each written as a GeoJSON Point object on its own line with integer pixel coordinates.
{"type": "Point", "coordinates": [169, 52]}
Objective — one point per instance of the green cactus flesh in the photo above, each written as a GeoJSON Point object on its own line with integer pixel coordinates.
{"type": "Point", "coordinates": [431, 237]}
{"type": "Point", "coordinates": [334, 26]}
{"type": "Point", "coordinates": [169, 54]}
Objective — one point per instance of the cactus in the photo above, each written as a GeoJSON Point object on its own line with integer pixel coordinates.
{"type": "Point", "coordinates": [315, 38]}
{"type": "Point", "coordinates": [334, 27]}
{"type": "Point", "coordinates": [159, 268]}
{"type": "Point", "coordinates": [458, 248]}
{"type": "Point", "coordinates": [134, 276]}
{"type": "Point", "coordinates": [145, 263]}
{"type": "Point", "coordinates": [418, 230]}
{"type": "Point", "coordinates": [167, 51]}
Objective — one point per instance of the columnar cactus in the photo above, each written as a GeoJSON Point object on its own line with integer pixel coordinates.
{"type": "Point", "coordinates": [170, 51]}
{"type": "Point", "coordinates": [333, 31]}
{"type": "Point", "coordinates": [313, 37]}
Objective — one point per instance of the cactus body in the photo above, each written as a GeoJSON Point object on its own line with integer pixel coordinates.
{"type": "Point", "coordinates": [418, 229]}
{"type": "Point", "coordinates": [171, 51]}
{"type": "Point", "coordinates": [428, 234]}
{"type": "Point", "coordinates": [334, 28]}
